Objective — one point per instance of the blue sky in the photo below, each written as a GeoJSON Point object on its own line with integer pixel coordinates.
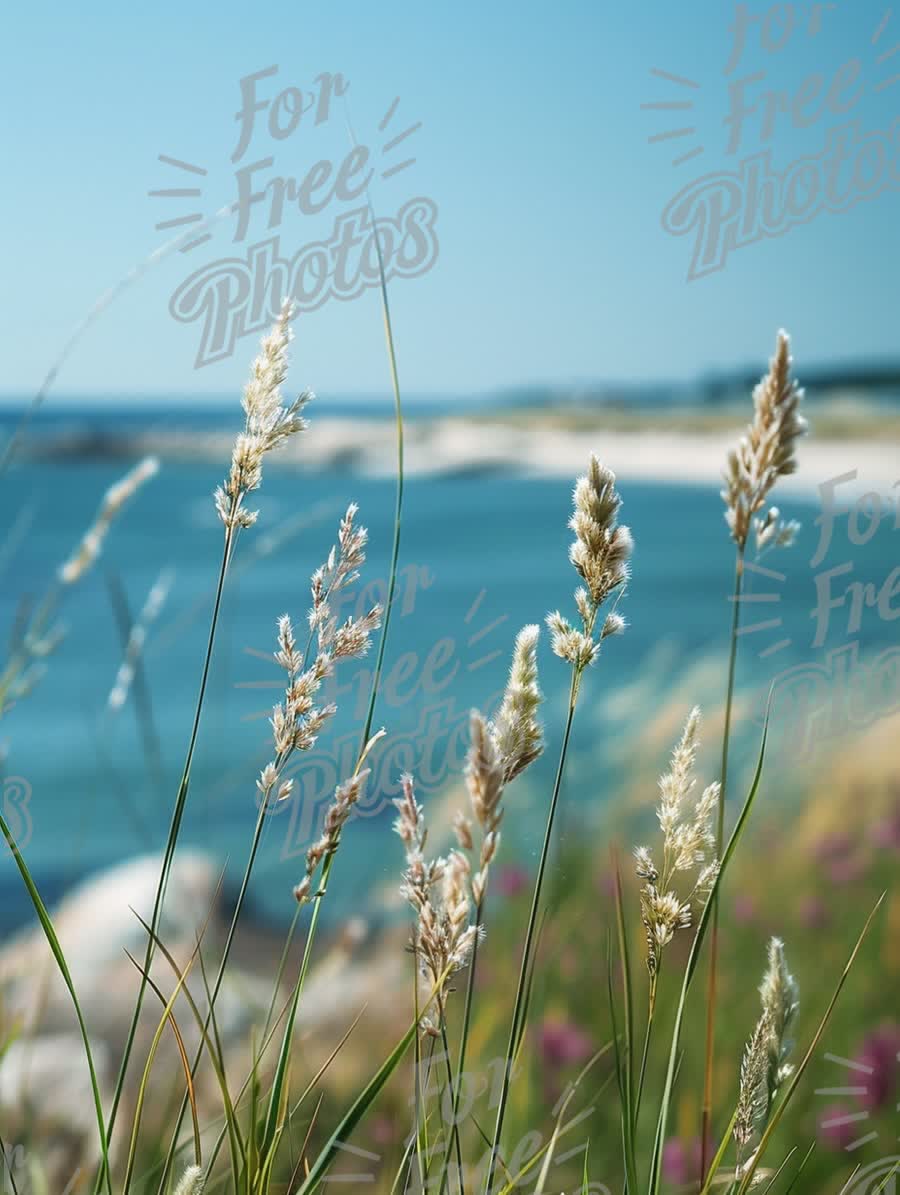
{"type": "Point", "coordinates": [552, 263]}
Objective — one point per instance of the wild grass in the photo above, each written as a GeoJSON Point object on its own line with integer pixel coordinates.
{"type": "Point", "coordinates": [284, 1135]}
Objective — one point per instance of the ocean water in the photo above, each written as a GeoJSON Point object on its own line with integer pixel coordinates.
{"type": "Point", "coordinates": [480, 557]}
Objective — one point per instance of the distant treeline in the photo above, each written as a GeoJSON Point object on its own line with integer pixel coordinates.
{"type": "Point", "coordinates": [880, 382]}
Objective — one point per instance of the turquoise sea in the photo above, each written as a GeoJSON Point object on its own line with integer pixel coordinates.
{"type": "Point", "coordinates": [479, 558]}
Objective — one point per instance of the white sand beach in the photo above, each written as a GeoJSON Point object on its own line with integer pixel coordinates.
{"type": "Point", "coordinates": [460, 445]}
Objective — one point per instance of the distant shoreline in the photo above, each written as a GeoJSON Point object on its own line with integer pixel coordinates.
{"type": "Point", "coordinates": [537, 443]}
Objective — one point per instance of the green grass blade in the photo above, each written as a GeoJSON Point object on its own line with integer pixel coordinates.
{"type": "Point", "coordinates": [802, 1167]}
{"type": "Point", "coordinates": [148, 1066]}
{"type": "Point", "coordinates": [778, 1173]}
{"type": "Point", "coordinates": [719, 1155]}
{"type": "Point", "coordinates": [627, 1151]}
{"type": "Point", "coordinates": [882, 1186]}
{"type": "Point", "coordinates": [529, 990]}
{"type": "Point", "coordinates": [376, 678]}
{"type": "Point", "coordinates": [540, 1188]}
{"type": "Point", "coordinates": [57, 952]}
{"type": "Point", "coordinates": [216, 1058]}
{"type": "Point", "coordinates": [357, 1111]}
{"type": "Point", "coordinates": [630, 1112]}
{"type": "Point", "coordinates": [182, 1053]}
{"type": "Point", "coordinates": [404, 1163]}
{"type": "Point", "coordinates": [328, 1061]}
{"type": "Point", "coordinates": [174, 827]}
{"type": "Point", "coordinates": [517, 1027]}
{"type": "Point", "coordinates": [288, 1035]}
{"type": "Point", "coordinates": [368, 1095]}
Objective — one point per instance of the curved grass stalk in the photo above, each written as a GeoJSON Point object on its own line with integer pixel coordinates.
{"type": "Point", "coordinates": [800, 1170]}
{"type": "Point", "coordinates": [706, 1115]}
{"type": "Point", "coordinates": [174, 828]}
{"type": "Point", "coordinates": [464, 1036]}
{"type": "Point", "coordinates": [770, 1186]}
{"type": "Point", "coordinates": [214, 1048]}
{"type": "Point", "coordinates": [645, 1053]}
{"type": "Point", "coordinates": [405, 1164]}
{"type": "Point", "coordinates": [204, 1036]}
{"type": "Point", "coordinates": [280, 759]}
{"type": "Point", "coordinates": [309, 1132]}
{"type": "Point", "coordinates": [454, 1135]}
{"type": "Point", "coordinates": [7, 1163]}
{"type": "Point", "coordinates": [630, 1102]}
{"type": "Point", "coordinates": [104, 1177]}
{"type": "Point", "coordinates": [167, 1016]}
{"type": "Point", "coordinates": [104, 301]}
{"type": "Point", "coordinates": [366, 1098]}
{"type": "Point", "coordinates": [719, 1156]}
{"type": "Point", "coordinates": [514, 1182]}
{"type": "Point", "coordinates": [398, 501]}
{"type": "Point", "coordinates": [365, 737]}
{"type": "Point", "coordinates": [516, 1026]}
{"type": "Point", "coordinates": [557, 1128]}
{"type": "Point", "coordinates": [621, 1081]}
{"type": "Point", "coordinates": [287, 1038]}
{"type": "Point", "coordinates": [267, 1039]}
{"type": "Point", "coordinates": [220, 974]}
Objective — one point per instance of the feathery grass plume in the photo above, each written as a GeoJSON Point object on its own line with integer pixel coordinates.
{"type": "Point", "coordinates": [688, 846]}
{"type": "Point", "coordinates": [114, 499]}
{"type": "Point", "coordinates": [764, 1066]}
{"type": "Point", "coordinates": [296, 723]}
{"type": "Point", "coordinates": [499, 751]}
{"type": "Point", "coordinates": [780, 995]}
{"type": "Point", "coordinates": [518, 734]}
{"type": "Point", "coordinates": [268, 425]}
{"type": "Point", "coordinates": [485, 782]}
{"type": "Point", "coordinates": [297, 720]}
{"type": "Point", "coordinates": [438, 892]}
{"type": "Point", "coordinates": [137, 638]}
{"type": "Point", "coordinates": [42, 633]}
{"type": "Point", "coordinates": [346, 796]}
{"type": "Point", "coordinates": [600, 554]}
{"type": "Point", "coordinates": [192, 1182]}
{"type": "Point", "coordinates": [765, 453]}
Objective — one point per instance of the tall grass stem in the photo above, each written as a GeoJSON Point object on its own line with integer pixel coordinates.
{"type": "Point", "coordinates": [706, 1118]}
{"type": "Point", "coordinates": [530, 931]}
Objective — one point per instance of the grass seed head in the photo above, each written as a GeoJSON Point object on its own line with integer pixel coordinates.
{"type": "Point", "coordinates": [601, 554]}
{"type": "Point", "coordinates": [85, 555]}
{"type": "Point", "coordinates": [268, 425]}
{"type": "Point", "coordinates": [766, 452]}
